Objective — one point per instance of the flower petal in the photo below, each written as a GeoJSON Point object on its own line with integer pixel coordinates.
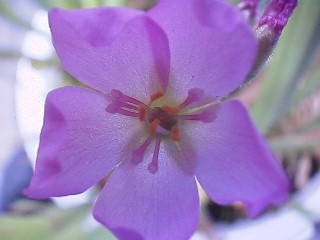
{"type": "Point", "coordinates": [234, 163]}
{"type": "Point", "coordinates": [212, 46]}
{"type": "Point", "coordinates": [112, 48]}
{"type": "Point", "coordinates": [137, 204]}
{"type": "Point", "coordinates": [80, 143]}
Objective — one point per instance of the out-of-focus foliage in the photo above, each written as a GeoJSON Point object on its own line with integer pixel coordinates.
{"type": "Point", "coordinates": [51, 223]}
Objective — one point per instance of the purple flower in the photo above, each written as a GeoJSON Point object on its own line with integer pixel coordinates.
{"type": "Point", "coordinates": [152, 118]}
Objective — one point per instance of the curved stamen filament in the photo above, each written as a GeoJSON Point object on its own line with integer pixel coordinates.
{"type": "Point", "coordinates": [153, 166]}
{"type": "Point", "coordinates": [117, 95]}
{"type": "Point", "coordinates": [204, 116]}
{"type": "Point", "coordinates": [137, 154]}
{"type": "Point", "coordinates": [126, 105]}
{"type": "Point", "coordinates": [126, 112]}
{"type": "Point", "coordinates": [194, 95]}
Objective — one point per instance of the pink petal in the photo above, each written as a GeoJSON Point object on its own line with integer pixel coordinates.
{"type": "Point", "coordinates": [212, 46]}
{"type": "Point", "coordinates": [80, 142]}
{"type": "Point", "coordinates": [138, 204]}
{"type": "Point", "coordinates": [234, 163]}
{"type": "Point", "coordinates": [112, 48]}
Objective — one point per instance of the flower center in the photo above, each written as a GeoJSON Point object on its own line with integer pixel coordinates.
{"type": "Point", "coordinates": [166, 120]}
{"type": "Point", "coordinates": [162, 121]}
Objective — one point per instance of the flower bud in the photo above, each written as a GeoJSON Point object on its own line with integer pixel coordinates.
{"type": "Point", "coordinates": [268, 30]}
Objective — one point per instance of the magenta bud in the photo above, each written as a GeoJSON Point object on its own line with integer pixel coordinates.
{"type": "Point", "coordinates": [268, 30]}
{"type": "Point", "coordinates": [276, 15]}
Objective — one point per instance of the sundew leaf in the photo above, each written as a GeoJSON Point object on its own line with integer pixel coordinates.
{"type": "Point", "coordinates": [291, 58]}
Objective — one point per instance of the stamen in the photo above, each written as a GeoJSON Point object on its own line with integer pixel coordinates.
{"type": "Point", "coordinates": [153, 126]}
{"type": "Point", "coordinates": [117, 95]}
{"type": "Point", "coordinates": [125, 105]}
{"type": "Point", "coordinates": [194, 95]}
{"type": "Point", "coordinates": [137, 154]}
{"type": "Point", "coordinates": [153, 166]}
{"type": "Point", "coordinates": [205, 116]}
{"type": "Point", "coordinates": [113, 108]}
{"type": "Point", "coordinates": [142, 113]}
{"type": "Point", "coordinates": [170, 110]}
{"type": "Point", "coordinates": [175, 134]}
{"type": "Point", "coordinates": [156, 96]}
{"type": "Point", "coordinates": [129, 106]}
{"type": "Point", "coordinates": [128, 113]}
